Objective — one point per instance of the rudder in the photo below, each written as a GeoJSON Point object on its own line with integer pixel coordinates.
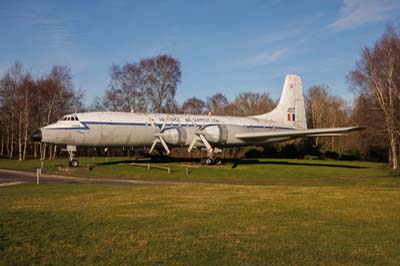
{"type": "Point", "coordinates": [290, 110]}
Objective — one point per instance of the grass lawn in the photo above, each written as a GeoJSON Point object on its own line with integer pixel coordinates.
{"type": "Point", "coordinates": [250, 171]}
{"type": "Point", "coordinates": [313, 222]}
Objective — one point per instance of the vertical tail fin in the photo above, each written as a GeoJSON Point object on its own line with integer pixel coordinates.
{"type": "Point", "coordinates": [290, 111]}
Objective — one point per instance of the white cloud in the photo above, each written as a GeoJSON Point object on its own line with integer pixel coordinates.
{"type": "Point", "coordinates": [354, 13]}
{"type": "Point", "coordinates": [264, 58]}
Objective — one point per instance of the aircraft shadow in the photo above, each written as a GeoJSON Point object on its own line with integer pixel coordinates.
{"type": "Point", "coordinates": [255, 161]}
{"type": "Point", "coordinates": [234, 162]}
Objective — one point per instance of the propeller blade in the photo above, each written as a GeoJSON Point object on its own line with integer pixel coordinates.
{"type": "Point", "coordinates": [207, 144]}
{"type": "Point", "coordinates": [192, 144]}
{"type": "Point", "coordinates": [164, 145]}
{"type": "Point", "coordinates": [153, 146]}
{"type": "Point", "coordinates": [153, 124]}
{"type": "Point", "coordinates": [163, 126]}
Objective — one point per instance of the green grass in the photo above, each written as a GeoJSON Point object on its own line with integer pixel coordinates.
{"type": "Point", "coordinates": [260, 171]}
{"type": "Point", "coordinates": [313, 222]}
{"type": "Point", "coordinates": [267, 211]}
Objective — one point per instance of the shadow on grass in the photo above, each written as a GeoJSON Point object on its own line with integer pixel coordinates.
{"type": "Point", "coordinates": [234, 162]}
{"type": "Point", "coordinates": [244, 162]}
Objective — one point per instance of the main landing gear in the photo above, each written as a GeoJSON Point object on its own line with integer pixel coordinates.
{"type": "Point", "coordinates": [211, 161]}
{"type": "Point", "coordinates": [71, 149]}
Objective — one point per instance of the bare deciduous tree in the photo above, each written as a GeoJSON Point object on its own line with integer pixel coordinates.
{"type": "Point", "coordinates": [216, 104]}
{"type": "Point", "coordinates": [27, 104]}
{"type": "Point", "coordinates": [193, 106]}
{"type": "Point", "coordinates": [326, 110]}
{"type": "Point", "coordinates": [251, 103]}
{"type": "Point", "coordinates": [377, 74]}
{"type": "Point", "coordinates": [127, 86]}
{"type": "Point", "coordinates": [161, 75]}
{"type": "Point", "coordinates": [149, 85]}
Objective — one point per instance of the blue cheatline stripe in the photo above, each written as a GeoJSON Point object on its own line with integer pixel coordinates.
{"type": "Point", "coordinates": [293, 117]}
{"type": "Point", "coordinates": [86, 127]}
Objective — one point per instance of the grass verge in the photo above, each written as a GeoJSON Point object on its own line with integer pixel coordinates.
{"type": "Point", "coordinates": [250, 171]}
{"type": "Point", "coordinates": [202, 224]}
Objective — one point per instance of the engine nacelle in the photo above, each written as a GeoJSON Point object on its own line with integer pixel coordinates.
{"type": "Point", "coordinates": [175, 136]}
{"type": "Point", "coordinates": [216, 133]}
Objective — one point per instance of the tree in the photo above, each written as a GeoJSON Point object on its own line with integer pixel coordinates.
{"type": "Point", "coordinates": [112, 99]}
{"type": "Point", "coordinates": [9, 102]}
{"type": "Point", "coordinates": [216, 104]}
{"type": "Point", "coordinates": [193, 106]}
{"type": "Point", "coordinates": [377, 75]}
{"type": "Point", "coordinates": [372, 142]}
{"type": "Point", "coordinates": [325, 110]}
{"type": "Point", "coordinates": [148, 85]}
{"type": "Point", "coordinates": [316, 102]}
{"type": "Point", "coordinates": [161, 75]}
{"type": "Point", "coordinates": [251, 103]}
{"type": "Point", "coordinates": [27, 103]}
{"type": "Point", "coordinates": [127, 85]}
{"type": "Point", "coordinates": [99, 104]}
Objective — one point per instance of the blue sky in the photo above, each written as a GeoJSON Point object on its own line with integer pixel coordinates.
{"type": "Point", "coordinates": [223, 46]}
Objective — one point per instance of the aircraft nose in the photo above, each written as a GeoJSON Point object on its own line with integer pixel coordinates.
{"type": "Point", "coordinates": [37, 135]}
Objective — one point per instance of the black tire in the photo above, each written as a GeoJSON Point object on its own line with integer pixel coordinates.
{"type": "Point", "coordinates": [74, 163]}
{"type": "Point", "coordinates": [217, 161]}
{"type": "Point", "coordinates": [209, 161]}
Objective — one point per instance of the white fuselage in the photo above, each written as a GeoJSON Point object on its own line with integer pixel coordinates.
{"type": "Point", "coordinates": [286, 121]}
{"type": "Point", "coordinates": [139, 129]}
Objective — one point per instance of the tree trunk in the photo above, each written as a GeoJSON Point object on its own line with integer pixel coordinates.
{"type": "Point", "coordinates": [10, 155]}
{"type": "Point", "coordinates": [25, 143]}
{"type": "Point", "coordinates": [393, 152]}
{"type": "Point", "coordinates": [20, 137]}
{"type": "Point", "coordinates": [2, 146]}
{"type": "Point", "coordinates": [26, 124]}
{"type": "Point", "coordinates": [43, 149]}
{"type": "Point", "coordinates": [35, 150]}
{"type": "Point", "coordinates": [50, 151]}
{"type": "Point", "coordinates": [55, 151]}
{"type": "Point", "coordinates": [8, 142]}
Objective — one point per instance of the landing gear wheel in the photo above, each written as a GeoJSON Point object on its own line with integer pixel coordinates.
{"type": "Point", "coordinates": [209, 161]}
{"type": "Point", "coordinates": [74, 163]}
{"type": "Point", "coordinates": [217, 161]}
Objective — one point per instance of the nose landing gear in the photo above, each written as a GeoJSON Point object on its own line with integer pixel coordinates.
{"type": "Point", "coordinates": [71, 149]}
{"type": "Point", "coordinates": [74, 163]}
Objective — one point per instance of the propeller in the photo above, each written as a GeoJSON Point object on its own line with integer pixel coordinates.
{"type": "Point", "coordinates": [159, 138]}
{"type": "Point", "coordinates": [199, 136]}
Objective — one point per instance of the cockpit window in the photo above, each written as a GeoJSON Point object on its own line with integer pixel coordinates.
{"type": "Point", "coordinates": [69, 118]}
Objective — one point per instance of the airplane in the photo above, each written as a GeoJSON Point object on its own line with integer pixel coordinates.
{"type": "Point", "coordinates": [140, 130]}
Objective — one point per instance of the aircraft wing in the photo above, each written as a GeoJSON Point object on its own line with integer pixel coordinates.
{"type": "Point", "coordinates": [290, 134]}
